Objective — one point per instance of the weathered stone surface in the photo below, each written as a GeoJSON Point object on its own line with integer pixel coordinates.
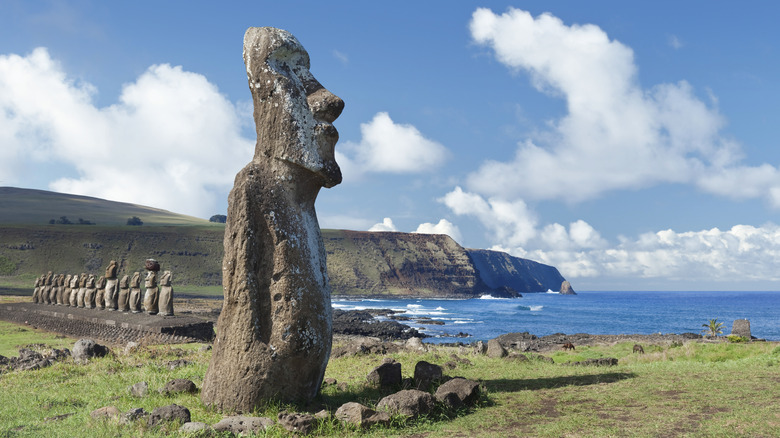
{"type": "Point", "coordinates": [134, 301]}
{"type": "Point", "coordinates": [274, 331]}
{"type": "Point", "coordinates": [107, 412]}
{"type": "Point", "coordinates": [387, 374]}
{"type": "Point", "coordinates": [140, 389]}
{"type": "Point", "coordinates": [133, 415]}
{"type": "Point", "coordinates": [409, 402]}
{"type": "Point", "coordinates": [296, 422]}
{"type": "Point", "coordinates": [196, 427]}
{"type": "Point", "coordinates": [123, 299]}
{"type": "Point", "coordinates": [168, 413]}
{"type": "Point", "coordinates": [243, 425]}
{"type": "Point", "coordinates": [359, 415]}
{"type": "Point", "coordinates": [480, 347]}
{"type": "Point", "coordinates": [177, 386]}
{"type": "Point", "coordinates": [457, 392]}
{"type": "Point", "coordinates": [495, 349]}
{"type": "Point", "coordinates": [566, 288]}
{"type": "Point", "coordinates": [152, 293]}
{"type": "Point", "coordinates": [741, 327]}
{"type": "Point", "coordinates": [415, 344]}
{"type": "Point", "coordinates": [425, 374]}
{"type": "Point", "coordinates": [86, 349]}
{"type": "Point", "coordinates": [166, 295]}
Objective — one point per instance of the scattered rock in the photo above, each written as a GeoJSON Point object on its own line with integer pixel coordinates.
{"type": "Point", "coordinates": [425, 374]}
{"type": "Point", "coordinates": [140, 389]}
{"type": "Point", "coordinates": [176, 386]}
{"type": "Point", "coordinates": [243, 425]}
{"type": "Point", "coordinates": [86, 349]}
{"type": "Point", "coordinates": [133, 415]}
{"type": "Point", "coordinates": [296, 422]}
{"type": "Point", "coordinates": [359, 415]}
{"type": "Point", "coordinates": [105, 413]}
{"type": "Point", "coordinates": [600, 362]}
{"type": "Point", "coordinates": [329, 381]}
{"type": "Point", "coordinates": [204, 348]}
{"type": "Point", "coordinates": [132, 347]}
{"type": "Point", "coordinates": [178, 363]}
{"type": "Point", "coordinates": [363, 323]}
{"type": "Point", "coordinates": [409, 402]}
{"type": "Point", "coordinates": [364, 345]}
{"type": "Point", "coordinates": [458, 392]}
{"type": "Point", "coordinates": [168, 413]}
{"type": "Point", "coordinates": [195, 427]}
{"type": "Point", "coordinates": [519, 357]}
{"type": "Point", "coordinates": [480, 347]}
{"type": "Point", "coordinates": [415, 344]}
{"type": "Point", "coordinates": [387, 374]}
{"type": "Point", "coordinates": [495, 349]}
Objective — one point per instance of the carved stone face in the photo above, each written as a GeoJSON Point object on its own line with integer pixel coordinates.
{"type": "Point", "coordinates": [293, 111]}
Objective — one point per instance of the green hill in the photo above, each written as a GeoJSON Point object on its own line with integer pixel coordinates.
{"type": "Point", "coordinates": [359, 263]}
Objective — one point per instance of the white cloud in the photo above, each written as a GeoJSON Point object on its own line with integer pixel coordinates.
{"type": "Point", "coordinates": [442, 227]}
{"type": "Point", "coordinates": [392, 148]}
{"type": "Point", "coordinates": [615, 135]}
{"type": "Point", "coordinates": [342, 57]}
{"type": "Point", "coordinates": [385, 225]}
{"type": "Point", "coordinates": [171, 141]}
{"type": "Point", "coordinates": [675, 42]}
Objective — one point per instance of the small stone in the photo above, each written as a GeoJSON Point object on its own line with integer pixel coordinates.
{"type": "Point", "coordinates": [140, 389]}
{"type": "Point", "coordinates": [387, 374]}
{"type": "Point", "coordinates": [241, 424]}
{"type": "Point", "coordinates": [295, 422]}
{"type": "Point", "coordinates": [105, 413]}
{"type": "Point", "coordinates": [409, 402]}
{"type": "Point", "coordinates": [329, 381]}
{"type": "Point", "coordinates": [425, 374]}
{"type": "Point", "coordinates": [196, 427]}
{"type": "Point", "coordinates": [415, 344]}
{"type": "Point", "coordinates": [457, 392]}
{"type": "Point", "coordinates": [359, 415]}
{"type": "Point", "coordinates": [495, 349]}
{"type": "Point", "coordinates": [133, 415]}
{"type": "Point", "coordinates": [169, 413]}
{"type": "Point", "coordinates": [177, 386]}
{"type": "Point", "coordinates": [86, 349]}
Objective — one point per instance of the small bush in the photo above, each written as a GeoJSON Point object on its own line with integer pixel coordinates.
{"type": "Point", "coordinates": [135, 220]}
{"type": "Point", "coordinates": [737, 338]}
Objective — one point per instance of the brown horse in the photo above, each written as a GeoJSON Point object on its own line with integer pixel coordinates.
{"type": "Point", "coordinates": [638, 349]}
{"type": "Point", "coordinates": [568, 346]}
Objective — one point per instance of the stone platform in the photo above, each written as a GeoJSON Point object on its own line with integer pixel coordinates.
{"type": "Point", "coordinates": [112, 327]}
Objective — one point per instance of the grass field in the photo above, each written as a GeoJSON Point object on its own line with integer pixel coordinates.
{"type": "Point", "coordinates": [692, 390]}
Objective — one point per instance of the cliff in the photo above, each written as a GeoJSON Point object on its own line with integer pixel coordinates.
{"type": "Point", "coordinates": [501, 269]}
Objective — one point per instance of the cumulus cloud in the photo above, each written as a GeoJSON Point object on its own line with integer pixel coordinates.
{"type": "Point", "coordinates": [615, 135]}
{"type": "Point", "coordinates": [390, 147]}
{"type": "Point", "coordinates": [171, 141]}
{"type": "Point", "coordinates": [386, 225]}
{"type": "Point", "coordinates": [442, 227]}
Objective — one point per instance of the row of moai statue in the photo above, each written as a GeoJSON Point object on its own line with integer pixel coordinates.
{"type": "Point", "coordinates": [107, 292]}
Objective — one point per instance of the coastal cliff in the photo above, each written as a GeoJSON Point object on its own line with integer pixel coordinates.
{"type": "Point", "coordinates": [499, 269]}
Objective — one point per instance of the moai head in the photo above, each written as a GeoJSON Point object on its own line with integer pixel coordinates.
{"type": "Point", "coordinates": [91, 281]}
{"type": "Point", "coordinates": [124, 283]}
{"type": "Point", "coordinates": [293, 111]}
{"type": "Point", "coordinates": [136, 280]}
{"type": "Point", "coordinates": [165, 280]}
{"type": "Point", "coordinates": [111, 269]}
{"type": "Point", "coordinates": [83, 279]}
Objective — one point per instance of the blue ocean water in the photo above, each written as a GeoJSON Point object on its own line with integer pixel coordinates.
{"type": "Point", "coordinates": [587, 312]}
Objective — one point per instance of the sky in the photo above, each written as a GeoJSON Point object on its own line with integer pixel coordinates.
{"type": "Point", "coordinates": [632, 145]}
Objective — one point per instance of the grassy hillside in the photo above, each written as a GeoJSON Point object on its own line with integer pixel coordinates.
{"type": "Point", "coordinates": [28, 206]}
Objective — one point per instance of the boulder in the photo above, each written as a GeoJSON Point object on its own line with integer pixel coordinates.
{"type": "Point", "coordinates": [168, 413]}
{"type": "Point", "coordinates": [177, 386]}
{"type": "Point", "coordinates": [495, 349]}
{"type": "Point", "coordinates": [425, 374]}
{"type": "Point", "coordinates": [458, 392]}
{"type": "Point", "coordinates": [196, 427]}
{"type": "Point", "coordinates": [86, 349]}
{"type": "Point", "coordinates": [133, 415]}
{"type": "Point", "coordinates": [359, 415]}
{"type": "Point", "coordinates": [387, 374]}
{"type": "Point", "coordinates": [409, 402]}
{"type": "Point", "coordinates": [243, 425]}
{"type": "Point", "coordinates": [480, 347]}
{"type": "Point", "coordinates": [415, 344]}
{"type": "Point", "coordinates": [296, 422]}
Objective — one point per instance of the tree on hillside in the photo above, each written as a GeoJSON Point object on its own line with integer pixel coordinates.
{"type": "Point", "coordinates": [135, 220]}
{"type": "Point", "coordinates": [219, 218]}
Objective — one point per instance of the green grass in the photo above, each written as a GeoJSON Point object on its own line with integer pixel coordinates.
{"type": "Point", "coordinates": [696, 390]}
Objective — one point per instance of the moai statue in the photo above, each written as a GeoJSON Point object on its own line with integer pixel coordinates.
{"type": "Point", "coordinates": [82, 290]}
{"type": "Point", "coordinates": [66, 291]}
{"type": "Point", "coordinates": [166, 294]}
{"type": "Point", "coordinates": [152, 291]}
{"type": "Point", "coordinates": [100, 291]}
{"type": "Point", "coordinates": [112, 286]}
{"type": "Point", "coordinates": [60, 289]}
{"type": "Point", "coordinates": [123, 299]}
{"type": "Point", "coordinates": [273, 336]}
{"type": "Point", "coordinates": [135, 293]}
{"type": "Point", "coordinates": [55, 289]}
{"type": "Point", "coordinates": [89, 296]}
{"type": "Point", "coordinates": [47, 288]}
{"type": "Point", "coordinates": [74, 290]}
{"type": "Point", "coordinates": [37, 290]}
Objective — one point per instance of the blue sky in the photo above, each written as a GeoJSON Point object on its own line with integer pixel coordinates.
{"type": "Point", "coordinates": [631, 145]}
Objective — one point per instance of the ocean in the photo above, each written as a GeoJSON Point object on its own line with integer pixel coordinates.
{"type": "Point", "coordinates": [587, 312]}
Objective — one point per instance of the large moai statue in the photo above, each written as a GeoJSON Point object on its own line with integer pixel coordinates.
{"type": "Point", "coordinates": [36, 290]}
{"type": "Point", "coordinates": [82, 289]}
{"type": "Point", "coordinates": [274, 333]}
{"type": "Point", "coordinates": [112, 286]}
{"type": "Point", "coordinates": [100, 292]}
{"type": "Point", "coordinates": [135, 293]}
{"type": "Point", "coordinates": [123, 299]}
{"type": "Point", "coordinates": [89, 296]}
{"type": "Point", "coordinates": [49, 279]}
{"type": "Point", "coordinates": [55, 287]}
{"type": "Point", "coordinates": [166, 294]}
{"type": "Point", "coordinates": [152, 291]}
{"type": "Point", "coordinates": [74, 290]}
{"type": "Point", "coordinates": [66, 291]}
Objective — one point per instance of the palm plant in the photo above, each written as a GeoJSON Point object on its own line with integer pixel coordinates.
{"type": "Point", "coordinates": [713, 327]}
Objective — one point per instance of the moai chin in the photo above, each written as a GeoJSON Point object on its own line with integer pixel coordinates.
{"type": "Point", "coordinates": [274, 332]}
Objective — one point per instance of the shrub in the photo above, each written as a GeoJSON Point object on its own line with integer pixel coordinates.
{"type": "Point", "coordinates": [135, 220]}
{"type": "Point", "coordinates": [736, 338]}
{"type": "Point", "coordinates": [219, 218]}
